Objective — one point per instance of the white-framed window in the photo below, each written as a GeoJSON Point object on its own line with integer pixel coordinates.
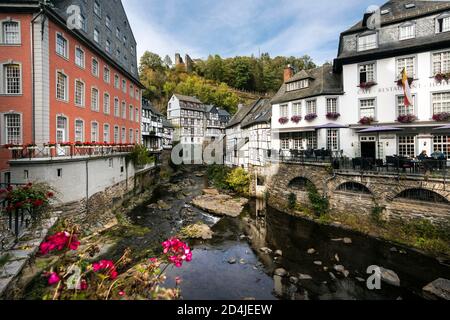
{"type": "Point", "coordinates": [106, 74]}
{"type": "Point", "coordinates": [106, 133]}
{"type": "Point", "coordinates": [94, 132]}
{"type": "Point", "coordinates": [407, 31]}
{"type": "Point", "coordinates": [311, 107]}
{"type": "Point", "coordinates": [94, 99]}
{"type": "Point", "coordinates": [61, 86]}
{"type": "Point", "coordinates": [297, 109]}
{"type": "Point", "coordinates": [79, 57]}
{"type": "Point", "coordinates": [332, 105]}
{"type": "Point", "coordinates": [408, 63]}
{"type": "Point", "coordinates": [311, 140]}
{"type": "Point", "coordinates": [137, 95]}
{"type": "Point", "coordinates": [124, 86]}
{"type": "Point", "coordinates": [367, 108]}
{"type": "Point", "coordinates": [136, 114]}
{"type": "Point", "coordinates": [116, 134]}
{"type": "Point", "coordinates": [96, 35]}
{"type": "Point", "coordinates": [124, 110]}
{"type": "Point", "coordinates": [108, 22]}
{"type": "Point", "coordinates": [443, 23]}
{"type": "Point", "coordinates": [284, 112]}
{"type": "Point", "coordinates": [79, 130]}
{"type": "Point", "coordinates": [97, 9]}
{"type": "Point", "coordinates": [83, 23]}
{"type": "Point", "coordinates": [108, 46]}
{"type": "Point", "coordinates": [116, 81]}
{"type": "Point", "coordinates": [441, 102]}
{"type": "Point", "coordinates": [13, 128]}
{"type": "Point", "coordinates": [61, 129]}
{"type": "Point", "coordinates": [367, 73]}
{"type": "Point", "coordinates": [130, 136]}
{"type": "Point", "coordinates": [296, 85]}
{"type": "Point", "coordinates": [285, 142]}
{"type": "Point", "coordinates": [12, 82]}
{"type": "Point", "coordinates": [138, 136]}
{"type": "Point", "coordinates": [95, 68]}
{"type": "Point", "coordinates": [11, 32]}
{"type": "Point", "coordinates": [106, 103]}
{"type": "Point", "coordinates": [333, 139]}
{"type": "Point", "coordinates": [407, 146]}
{"type": "Point", "coordinates": [367, 42]}
{"type": "Point", "coordinates": [62, 46]}
{"type": "Point", "coordinates": [131, 91]}
{"type": "Point", "coordinates": [124, 135]}
{"type": "Point", "coordinates": [131, 113]}
{"type": "Point", "coordinates": [441, 62]}
{"type": "Point", "coordinates": [402, 109]}
{"type": "Point", "coordinates": [79, 93]}
{"type": "Point", "coordinates": [116, 107]}
{"type": "Point", "coordinates": [442, 143]}
{"type": "Point", "coordinates": [117, 33]}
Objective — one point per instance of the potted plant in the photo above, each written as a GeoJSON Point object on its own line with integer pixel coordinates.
{"type": "Point", "coordinates": [333, 115]}
{"type": "Point", "coordinates": [406, 118]}
{"type": "Point", "coordinates": [441, 76]}
{"type": "Point", "coordinates": [367, 85]}
{"type": "Point", "coordinates": [440, 117]}
{"type": "Point", "coordinates": [296, 119]}
{"type": "Point", "coordinates": [283, 120]}
{"type": "Point", "coordinates": [366, 120]}
{"type": "Point", "coordinates": [12, 146]}
{"type": "Point", "coordinates": [50, 145]}
{"type": "Point", "coordinates": [310, 117]}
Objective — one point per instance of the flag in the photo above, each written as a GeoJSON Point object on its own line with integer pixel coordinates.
{"type": "Point", "coordinates": [406, 89]}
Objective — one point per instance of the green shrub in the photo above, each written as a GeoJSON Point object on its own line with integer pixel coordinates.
{"type": "Point", "coordinates": [292, 201]}
{"type": "Point", "coordinates": [140, 156]}
{"type": "Point", "coordinates": [376, 213]}
{"type": "Point", "coordinates": [238, 180]}
{"type": "Point", "coordinates": [217, 175]}
{"type": "Point", "coordinates": [319, 203]}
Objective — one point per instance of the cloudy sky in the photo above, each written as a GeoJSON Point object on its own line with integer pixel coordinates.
{"type": "Point", "coordinates": [243, 27]}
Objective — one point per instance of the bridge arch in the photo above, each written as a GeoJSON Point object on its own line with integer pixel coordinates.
{"type": "Point", "coordinates": [300, 184]}
{"type": "Point", "coordinates": [423, 195]}
{"type": "Point", "coordinates": [354, 187]}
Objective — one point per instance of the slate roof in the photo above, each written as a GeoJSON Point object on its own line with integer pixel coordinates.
{"type": "Point", "coordinates": [398, 12]}
{"type": "Point", "coordinates": [323, 82]}
{"type": "Point", "coordinates": [260, 113]}
{"type": "Point", "coordinates": [166, 123]}
{"type": "Point", "coordinates": [241, 114]}
{"type": "Point", "coordinates": [187, 98]}
{"type": "Point", "coordinates": [223, 113]}
{"type": "Point", "coordinates": [147, 105]}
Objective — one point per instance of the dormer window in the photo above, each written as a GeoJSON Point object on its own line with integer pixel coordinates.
{"type": "Point", "coordinates": [443, 23]}
{"type": "Point", "coordinates": [410, 6]}
{"type": "Point", "coordinates": [407, 31]}
{"type": "Point", "coordinates": [385, 11]}
{"type": "Point", "coordinates": [367, 42]}
{"type": "Point", "coordinates": [297, 85]}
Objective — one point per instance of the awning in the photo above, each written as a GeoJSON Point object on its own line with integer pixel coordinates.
{"type": "Point", "coordinates": [380, 129]}
{"type": "Point", "coordinates": [331, 126]}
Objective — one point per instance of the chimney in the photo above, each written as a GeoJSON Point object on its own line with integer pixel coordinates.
{"type": "Point", "coordinates": [288, 73]}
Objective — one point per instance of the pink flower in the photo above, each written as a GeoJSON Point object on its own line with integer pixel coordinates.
{"type": "Point", "coordinates": [59, 242]}
{"type": "Point", "coordinates": [83, 285]}
{"type": "Point", "coordinates": [53, 278]}
{"type": "Point", "coordinates": [121, 293]}
{"type": "Point", "coordinates": [177, 252]}
{"type": "Point", "coordinates": [107, 265]}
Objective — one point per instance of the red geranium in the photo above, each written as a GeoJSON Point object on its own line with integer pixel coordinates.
{"type": "Point", "coordinates": [177, 251]}
{"type": "Point", "coordinates": [59, 242]}
{"type": "Point", "coordinates": [107, 265]}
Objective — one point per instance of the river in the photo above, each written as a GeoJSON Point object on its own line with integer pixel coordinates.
{"type": "Point", "coordinates": [232, 266]}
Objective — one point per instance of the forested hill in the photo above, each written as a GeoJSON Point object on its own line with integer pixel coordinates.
{"type": "Point", "coordinates": [222, 82]}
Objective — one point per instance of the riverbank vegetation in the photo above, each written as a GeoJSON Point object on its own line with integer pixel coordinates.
{"type": "Point", "coordinates": [227, 179]}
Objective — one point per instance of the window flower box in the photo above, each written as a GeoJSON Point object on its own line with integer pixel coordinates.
{"type": "Point", "coordinates": [310, 117]}
{"type": "Point", "coordinates": [366, 120]}
{"type": "Point", "coordinates": [50, 145]}
{"type": "Point", "coordinates": [400, 82]}
{"type": "Point", "coordinates": [367, 85]}
{"type": "Point", "coordinates": [283, 120]}
{"type": "Point", "coordinates": [333, 115]}
{"type": "Point", "coordinates": [440, 117]}
{"type": "Point", "coordinates": [66, 144]}
{"type": "Point", "coordinates": [406, 118]}
{"type": "Point", "coordinates": [296, 119]}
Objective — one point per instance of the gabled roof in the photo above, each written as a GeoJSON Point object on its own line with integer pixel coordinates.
{"type": "Point", "coordinates": [260, 113]}
{"type": "Point", "coordinates": [187, 98]}
{"type": "Point", "coordinates": [323, 82]}
{"type": "Point", "coordinates": [241, 114]}
{"type": "Point", "coordinates": [211, 108]}
{"type": "Point", "coordinates": [398, 12]}
{"type": "Point", "coordinates": [147, 105]}
{"type": "Point", "coordinates": [223, 112]}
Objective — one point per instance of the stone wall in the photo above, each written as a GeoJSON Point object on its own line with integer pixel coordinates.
{"type": "Point", "coordinates": [383, 192]}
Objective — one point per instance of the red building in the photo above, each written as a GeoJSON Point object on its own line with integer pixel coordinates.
{"type": "Point", "coordinates": [67, 75]}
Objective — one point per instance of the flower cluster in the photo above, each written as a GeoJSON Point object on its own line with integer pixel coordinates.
{"type": "Point", "coordinates": [26, 197]}
{"type": "Point", "coordinates": [296, 119]}
{"type": "Point", "coordinates": [177, 251]}
{"type": "Point", "coordinates": [366, 120]}
{"type": "Point", "coordinates": [283, 120]}
{"type": "Point", "coordinates": [367, 85]}
{"type": "Point", "coordinates": [12, 145]}
{"type": "Point", "coordinates": [407, 118]}
{"type": "Point", "coordinates": [108, 266]}
{"type": "Point", "coordinates": [60, 241]}
{"type": "Point", "coordinates": [310, 117]}
{"type": "Point", "coordinates": [333, 115]}
{"type": "Point", "coordinates": [443, 116]}
{"type": "Point", "coordinates": [439, 77]}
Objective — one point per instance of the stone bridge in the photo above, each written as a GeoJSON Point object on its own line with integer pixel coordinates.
{"type": "Point", "coordinates": [406, 197]}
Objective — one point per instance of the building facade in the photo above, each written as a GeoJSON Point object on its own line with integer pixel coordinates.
{"type": "Point", "coordinates": [152, 127]}
{"type": "Point", "coordinates": [168, 132]}
{"type": "Point", "coordinates": [66, 77]}
{"type": "Point", "coordinates": [412, 36]}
